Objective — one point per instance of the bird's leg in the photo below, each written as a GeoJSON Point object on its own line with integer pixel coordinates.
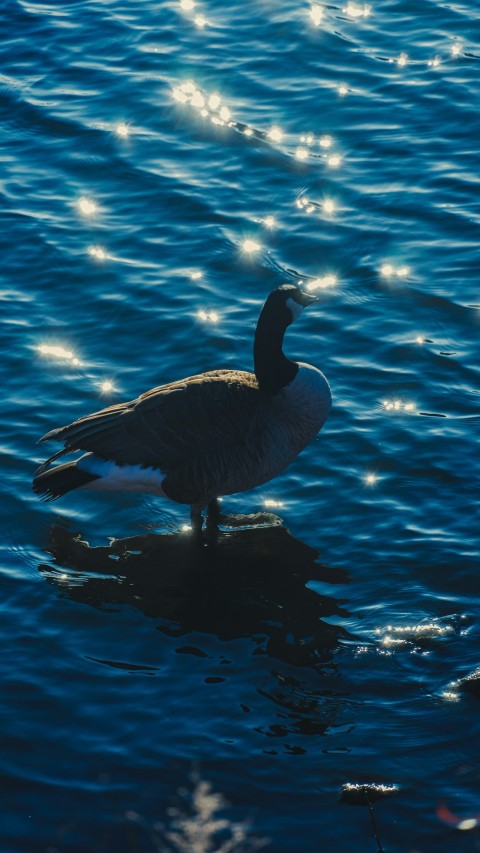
{"type": "Point", "coordinates": [213, 518]}
{"type": "Point", "coordinates": [196, 519]}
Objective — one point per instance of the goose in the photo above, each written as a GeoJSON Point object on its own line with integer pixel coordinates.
{"type": "Point", "coordinates": [205, 436]}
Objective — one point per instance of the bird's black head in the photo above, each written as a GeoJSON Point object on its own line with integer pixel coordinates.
{"type": "Point", "coordinates": [288, 302]}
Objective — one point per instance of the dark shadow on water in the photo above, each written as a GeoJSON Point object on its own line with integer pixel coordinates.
{"type": "Point", "coordinates": [250, 582]}
{"type": "Point", "coordinates": [255, 584]}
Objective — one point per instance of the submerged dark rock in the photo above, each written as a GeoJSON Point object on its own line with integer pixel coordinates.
{"type": "Point", "coordinates": [364, 794]}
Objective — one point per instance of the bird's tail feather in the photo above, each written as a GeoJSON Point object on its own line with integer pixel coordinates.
{"type": "Point", "coordinates": [55, 482]}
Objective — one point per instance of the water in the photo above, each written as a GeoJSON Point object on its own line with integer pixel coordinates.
{"type": "Point", "coordinates": [139, 241]}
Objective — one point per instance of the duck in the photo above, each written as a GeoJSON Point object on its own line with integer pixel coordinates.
{"type": "Point", "coordinates": [200, 438]}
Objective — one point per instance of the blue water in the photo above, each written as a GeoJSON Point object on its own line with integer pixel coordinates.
{"type": "Point", "coordinates": [137, 247]}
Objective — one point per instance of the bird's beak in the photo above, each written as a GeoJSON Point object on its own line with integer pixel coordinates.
{"type": "Point", "coordinates": [307, 298]}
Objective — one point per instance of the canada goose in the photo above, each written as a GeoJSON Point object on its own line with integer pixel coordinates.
{"type": "Point", "coordinates": [214, 434]}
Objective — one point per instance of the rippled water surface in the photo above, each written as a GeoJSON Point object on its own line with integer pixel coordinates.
{"type": "Point", "coordinates": [164, 165]}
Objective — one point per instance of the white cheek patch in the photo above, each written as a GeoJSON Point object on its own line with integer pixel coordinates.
{"type": "Point", "coordinates": [294, 307]}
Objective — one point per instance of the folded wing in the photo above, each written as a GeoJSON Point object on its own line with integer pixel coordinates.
{"type": "Point", "coordinates": [171, 425]}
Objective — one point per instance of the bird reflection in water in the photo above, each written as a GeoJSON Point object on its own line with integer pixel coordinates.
{"type": "Point", "coordinates": [252, 583]}
{"type": "Point", "coordinates": [258, 576]}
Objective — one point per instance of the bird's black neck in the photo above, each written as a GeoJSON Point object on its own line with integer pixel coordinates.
{"type": "Point", "coordinates": [272, 368]}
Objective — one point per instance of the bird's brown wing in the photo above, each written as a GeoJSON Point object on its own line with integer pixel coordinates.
{"type": "Point", "coordinates": [170, 426]}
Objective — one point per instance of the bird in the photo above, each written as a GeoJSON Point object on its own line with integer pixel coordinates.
{"type": "Point", "coordinates": [205, 436]}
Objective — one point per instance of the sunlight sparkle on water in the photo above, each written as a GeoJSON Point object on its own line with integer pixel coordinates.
{"type": "Point", "coordinates": [420, 631]}
{"type": "Point", "coordinates": [269, 502]}
{"type": "Point", "coordinates": [305, 205]}
{"type": "Point", "coordinates": [214, 101]}
{"type": "Point", "coordinates": [316, 15]}
{"type": "Point", "coordinates": [434, 63]}
{"type": "Point", "coordinates": [329, 280]}
{"type": "Point", "coordinates": [275, 134]}
{"type": "Point", "coordinates": [251, 246]}
{"type": "Point", "coordinates": [59, 352]}
{"type": "Point", "coordinates": [207, 316]}
{"type": "Point", "coordinates": [97, 252]}
{"type": "Point", "coordinates": [187, 5]}
{"type": "Point", "coordinates": [106, 386]}
{"type": "Point", "coordinates": [196, 274]}
{"type": "Point", "coordinates": [366, 793]}
{"type": "Point", "coordinates": [419, 340]}
{"type": "Point", "coordinates": [370, 479]}
{"type": "Point", "coordinates": [328, 205]}
{"type": "Point", "coordinates": [342, 89]}
{"type": "Point", "coordinates": [402, 59]}
{"type": "Point", "coordinates": [122, 130]}
{"type": "Point", "coordinates": [307, 138]}
{"type": "Point", "coordinates": [325, 141]}
{"type": "Point", "coordinates": [301, 153]}
{"type": "Point", "coordinates": [200, 21]}
{"type": "Point", "coordinates": [207, 105]}
{"type": "Point", "coordinates": [388, 270]}
{"type": "Point", "coordinates": [270, 222]}
{"type": "Point", "coordinates": [334, 160]}
{"type": "Point", "coordinates": [450, 696]}
{"type": "Point", "coordinates": [248, 131]}
{"type": "Point", "coordinates": [197, 100]}
{"type": "Point", "coordinates": [455, 49]}
{"type": "Point", "coordinates": [468, 823]}
{"type": "Point", "coordinates": [398, 406]}
{"type": "Point", "coordinates": [354, 10]}
{"type": "Point", "coordinates": [86, 206]}
{"type": "Point", "coordinates": [392, 641]}
{"type": "Point", "coordinates": [180, 96]}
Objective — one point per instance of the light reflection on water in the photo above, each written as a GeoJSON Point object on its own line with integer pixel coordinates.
{"type": "Point", "coordinates": [97, 252]}
{"type": "Point", "coordinates": [301, 153]}
{"type": "Point", "coordinates": [328, 280]}
{"type": "Point", "coordinates": [356, 10]}
{"type": "Point", "coordinates": [59, 352]}
{"type": "Point", "coordinates": [87, 206]}
{"type": "Point", "coordinates": [106, 386]}
{"type": "Point", "coordinates": [209, 106]}
{"type": "Point", "coordinates": [208, 316]}
{"type": "Point", "coordinates": [275, 134]}
{"type": "Point", "coordinates": [250, 246]}
{"type": "Point", "coordinates": [316, 15]}
{"type": "Point", "coordinates": [122, 129]}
